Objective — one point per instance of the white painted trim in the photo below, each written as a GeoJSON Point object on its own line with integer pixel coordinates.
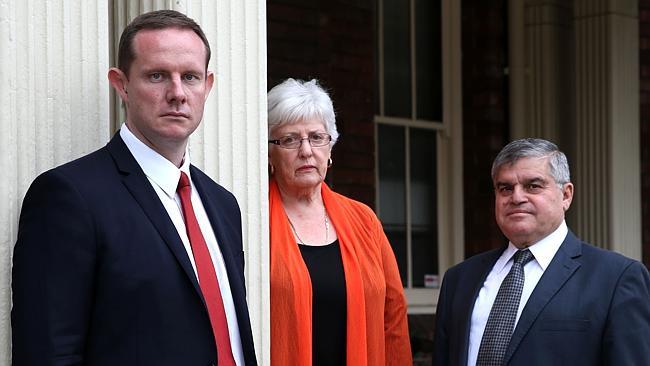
{"type": "Point", "coordinates": [449, 152]}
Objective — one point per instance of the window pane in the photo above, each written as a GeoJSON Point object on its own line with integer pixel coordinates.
{"type": "Point", "coordinates": [392, 190]}
{"type": "Point", "coordinates": [428, 59]}
{"type": "Point", "coordinates": [397, 66]}
{"type": "Point", "coordinates": [424, 215]}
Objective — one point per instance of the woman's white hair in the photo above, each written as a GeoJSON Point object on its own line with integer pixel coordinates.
{"type": "Point", "coordinates": [294, 101]}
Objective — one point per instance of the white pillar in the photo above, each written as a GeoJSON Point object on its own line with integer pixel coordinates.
{"type": "Point", "coordinates": [54, 98]}
{"type": "Point", "coordinates": [607, 94]}
{"type": "Point", "coordinates": [541, 59]}
{"type": "Point", "coordinates": [232, 144]}
{"type": "Point", "coordinates": [450, 144]}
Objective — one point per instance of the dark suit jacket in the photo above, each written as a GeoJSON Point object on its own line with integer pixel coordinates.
{"type": "Point", "coordinates": [100, 274]}
{"type": "Point", "coordinates": [591, 307]}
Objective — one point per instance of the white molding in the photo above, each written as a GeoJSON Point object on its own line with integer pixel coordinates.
{"type": "Point", "coordinates": [421, 300]}
{"type": "Point", "coordinates": [450, 157]}
{"type": "Point", "coordinates": [451, 236]}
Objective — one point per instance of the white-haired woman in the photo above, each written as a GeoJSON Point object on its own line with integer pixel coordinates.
{"type": "Point", "coordinates": [336, 293]}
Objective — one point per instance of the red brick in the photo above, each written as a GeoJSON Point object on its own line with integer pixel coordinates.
{"type": "Point", "coordinates": [332, 41]}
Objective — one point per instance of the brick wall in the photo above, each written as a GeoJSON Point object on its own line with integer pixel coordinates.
{"type": "Point", "coordinates": [485, 115]}
{"type": "Point", "coordinates": [644, 135]}
{"type": "Point", "coordinates": [333, 41]}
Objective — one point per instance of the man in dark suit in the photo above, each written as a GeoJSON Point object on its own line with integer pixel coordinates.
{"type": "Point", "coordinates": [560, 301]}
{"type": "Point", "coordinates": [130, 255]}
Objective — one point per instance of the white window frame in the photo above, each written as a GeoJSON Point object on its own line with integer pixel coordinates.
{"type": "Point", "coordinates": [449, 150]}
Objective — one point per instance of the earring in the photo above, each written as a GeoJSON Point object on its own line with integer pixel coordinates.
{"type": "Point", "coordinates": [329, 162]}
{"type": "Point", "coordinates": [271, 169]}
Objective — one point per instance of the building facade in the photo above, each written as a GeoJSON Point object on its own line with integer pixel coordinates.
{"type": "Point", "coordinates": [426, 94]}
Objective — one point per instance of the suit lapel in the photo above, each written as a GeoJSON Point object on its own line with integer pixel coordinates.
{"type": "Point", "coordinates": [468, 299]}
{"type": "Point", "coordinates": [555, 276]}
{"type": "Point", "coordinates": [218, 225]}
{"type": "Point", "coordinates": [138, 185]}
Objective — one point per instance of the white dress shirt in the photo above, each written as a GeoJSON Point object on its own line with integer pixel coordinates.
{"type": "Point", "coordinates": [164, 176]}
{"type": "Point", "coordinates": [544, 251]}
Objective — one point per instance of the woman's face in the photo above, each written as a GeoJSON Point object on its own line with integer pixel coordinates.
{"type": "Point", "coordinates": [304, 167]}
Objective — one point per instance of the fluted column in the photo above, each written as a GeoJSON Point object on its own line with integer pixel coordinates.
{"type": "Point", "coordinates": [541, 68]}
{"type": "Point", "coordinates": [606, 167]}
{"type": "Point", "coordinates": [232, 143]}
{"type": "Point", "coordinates": [54, 98]}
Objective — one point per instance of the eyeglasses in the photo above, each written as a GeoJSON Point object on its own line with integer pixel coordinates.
{"type": "Point", "coordinates": [316, 139]}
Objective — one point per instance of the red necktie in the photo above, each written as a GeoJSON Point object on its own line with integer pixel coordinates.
{"type": "Point", "coordinates": [207, 276]}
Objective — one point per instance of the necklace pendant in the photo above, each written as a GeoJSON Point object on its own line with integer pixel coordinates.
{"type": "Point", "coordinates": [327, 228]}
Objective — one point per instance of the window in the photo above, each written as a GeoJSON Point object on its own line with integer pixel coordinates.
{"type": "Point", "coordinates": [416, 128]}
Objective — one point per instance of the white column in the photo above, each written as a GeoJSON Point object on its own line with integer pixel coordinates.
{"type": "Point", "coordinates": [54, 96]}
{"type": "Point", "coordinates": [450, 144]}
{"type": "Point", "coordinates": [607, 159]}
{"type": "Point", "coordinates": [541, 57]}
{"type": "Point", "coordinates": [230, 145]}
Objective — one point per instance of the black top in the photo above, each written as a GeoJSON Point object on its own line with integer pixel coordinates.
{"type": "Point", "coordinates": [329, 307]}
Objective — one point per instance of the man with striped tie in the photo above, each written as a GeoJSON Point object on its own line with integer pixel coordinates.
{"type": "Point", "coordinates": [546, 298]}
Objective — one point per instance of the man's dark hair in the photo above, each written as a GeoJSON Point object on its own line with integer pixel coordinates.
{"type": "Point", "coordinates": [160, 19]}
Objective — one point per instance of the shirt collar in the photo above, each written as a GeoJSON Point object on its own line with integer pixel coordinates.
{"type": "Point", "coordinates": [157, 168]}
{"type": "Point", "coordinates": [543, 250]}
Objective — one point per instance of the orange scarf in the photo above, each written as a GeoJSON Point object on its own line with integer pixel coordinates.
{"type": "Point", "coordinates": [377, 331]}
